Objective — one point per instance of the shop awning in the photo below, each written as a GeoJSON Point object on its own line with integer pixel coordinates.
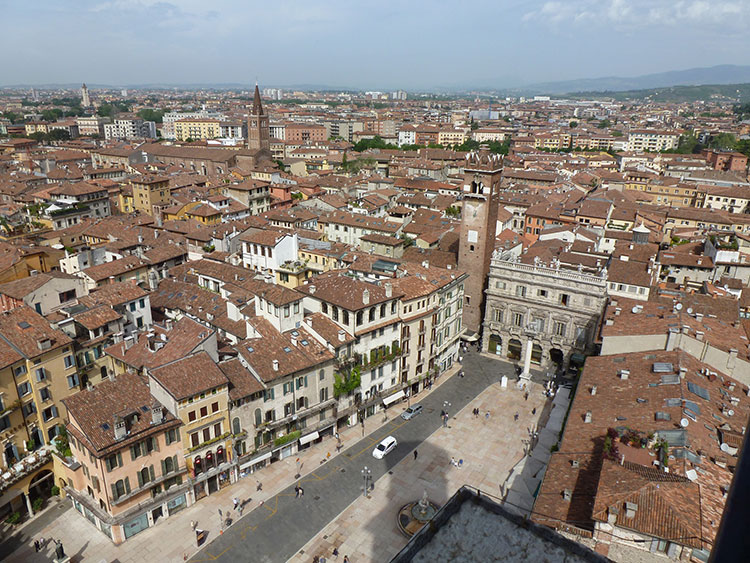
{"type": "Point", "coordinates": [470, 336]}
{"type": "Point", "coordinates": [393, 398]}
{"type": "Point", "coordinates": [254, 461]}
{"type": "Point", "coordinates": [309, 438]}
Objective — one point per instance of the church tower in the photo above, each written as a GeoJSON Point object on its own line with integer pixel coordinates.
{"type": "Point", "coordinates": [257, 127]}
{"type": "Point", "coordinates": [85, 101]}
{"type": "Point", "coordinates": [482, 174]}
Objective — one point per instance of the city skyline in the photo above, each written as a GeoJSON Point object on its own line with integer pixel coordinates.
{"type": "Point", "coordinates": [413, 46]}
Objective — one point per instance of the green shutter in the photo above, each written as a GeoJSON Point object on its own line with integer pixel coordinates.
{"type": "Point", "coordinates": [119, 460]}
{"type": "Point", "coordinates": [151, 472]}
{"type": "Point", "coordinates": [163, 467]}
{"type": "Point", "coordinates": [156, 443]}
{"type": "Point", "coordinates": [114, 492]}
{"type": "Point", "coordinates": [175, 464]}
{"type": "Point", "coordinates": [132, 453]}
{"type": "Point", "coordinates": [179, 479]}
{"type": "Point", "coordinates": [166, 437]}
{"type": "Point", "coordinates": [176, 434]}
{"type": "Point", "coordinates": [140, 479]}
{"type": "Point", "coordinates": [127, 485]}
{"type": "Point", "coordinates": [305, 381]}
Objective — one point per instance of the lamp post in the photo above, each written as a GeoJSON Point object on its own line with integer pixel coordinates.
{"type": "Point", "coordinates": [367, 476]}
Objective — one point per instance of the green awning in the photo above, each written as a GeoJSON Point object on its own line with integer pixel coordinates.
{"type": "Point", "coordinates": [577, 359]}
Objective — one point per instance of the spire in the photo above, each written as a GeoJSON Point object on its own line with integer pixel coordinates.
{"type": "Point", "coordinates": [257, 107]}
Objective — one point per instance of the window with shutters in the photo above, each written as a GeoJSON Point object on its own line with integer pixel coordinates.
{"type": "Point", "coordinates": [204, 411]}
{"type": "Point", "coordinates": [194, 439]}
{"type": "Point", "coordinates": [214, 407]}
{"type": "Point", "coordinates": [206, 434]}
{"type": "Point", "coordinates": [172, 435]}
{"type": "Point", "coordinates": [217, 429]}
{"type": "Point", "coordinates": [191, 416]}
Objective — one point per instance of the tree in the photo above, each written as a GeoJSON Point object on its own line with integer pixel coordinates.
{"type": "Point", "coordinates": [723, 141]}
{"type": "Point", "coordinates": [106, 110]}
{"type": "Point", "coordinates": [474, 125]}
{"type": "Point", "coordinates": [743, 146]}
{"type": "Point", "coordinates": [148, 114]}
{"type": "Point", "coordinates": [467, 145]}
{"type": "Point", "coordinates": [59, 135]}
{"type": "Point", "coordinates": [500, 148]}
{"type": "Point", "coordinates": [11, 116]}
{"type": "Point", "coordinates": [603, 124]}
{"type": "Point", "coordinates": [52, 114]}
{"type": "Point", "coordinates": [39, 137]}
{"type": "Point", "coordinates": [573, 124]}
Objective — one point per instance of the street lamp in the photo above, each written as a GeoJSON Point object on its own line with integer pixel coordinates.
{"type": "Point", "coordinates": [367, 476]}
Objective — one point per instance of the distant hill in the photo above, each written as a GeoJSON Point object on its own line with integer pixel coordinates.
{"type": "Point", "coordinates": [715, 75]}
{"type": "Point", "coordinates": [726, 92]}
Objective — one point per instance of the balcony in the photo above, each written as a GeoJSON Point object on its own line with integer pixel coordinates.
{"type": "Point", "coordinates": [26, 466]}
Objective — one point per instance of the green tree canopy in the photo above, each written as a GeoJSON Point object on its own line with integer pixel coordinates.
{"type": "Point", "coordinates": [149, 114]}
{"type": "Point", "coordinates": [603, 124]}
{"type": "Point", "coordinates": [723, 141]}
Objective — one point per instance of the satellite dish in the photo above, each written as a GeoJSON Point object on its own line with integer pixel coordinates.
{"type": "Point", "coordinates": [690, 311]}
{"type": "Point", "coordinates": [678, 306]}
{"type": "Point", "coordinates": [691, 474]}
{"type": "Point", "coordinates": [724, 448]}
{"type": "Point", "coordinates": [684, 422]}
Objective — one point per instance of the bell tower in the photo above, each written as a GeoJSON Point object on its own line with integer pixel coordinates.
{"type": "Point", "coordinates": [257, 126]}
{"type": "Point", "coordinates": [482, 175]}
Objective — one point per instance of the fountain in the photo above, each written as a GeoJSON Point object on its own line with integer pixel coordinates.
{"type": "Point", "coordinates": [414, 515]}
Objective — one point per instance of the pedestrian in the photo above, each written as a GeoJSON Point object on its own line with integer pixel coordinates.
{"type": "Point", "coordinates": [487, 415]}
{"type": "Point", "coordinates": [346, 559]}
{"type": "Point", "coordinates": [296, 491]}
{"type": "Point", "coordinates": [37, 546]}
{"type": "Point", "coordinates": [526, 396]}
{"type": "Point", "coordinates": [460, 359]}
{"type": "Point", "coordinates": [453, 461]}
{"type": "Point", "coordinates": [415, 455]}
{"type": "Point", "coordinates": [335, 552]}
{"type": "Point", "coordinates": [328, 456]}
{"type": "Point", "coordinates": [259, 487]}
{"type": "Point", "coordinates": [301, 492]}
{"type": "Point", "coordinates": [515, 417]}
{"type": "Point", "coordinates": [236, 502]}
{"type": "Point", "coordinates": [533, 411]}
{"type": "Point", "coordinates": [193, 524]}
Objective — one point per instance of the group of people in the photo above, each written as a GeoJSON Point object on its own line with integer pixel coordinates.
{"type": "Point", "coordinates": [298, 491]}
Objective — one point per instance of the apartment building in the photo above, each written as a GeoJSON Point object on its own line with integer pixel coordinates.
{"type": "Point", "coordinates": [255, 194]}
{"type": "Point", "coordinates": [197, 129]}
{"type": "Point", "coordinates": [370, 313]}
{"type": "Point", "coordinates": [150, 192]}
{"type": "Point", "coordinates": [92, 125]}
{"type": "Point", "coordinates": [196, 392]}
{"type": "Point", "coordinates": [127, 129]}
{"type": "Point", "coordinates": [650, 140]}
{"type": "Point", "coordinates": [126, 470]}
{"type": "Point", "coordinates": [268, 250]}
{"type": "Point", "coordinates": [349, 228]}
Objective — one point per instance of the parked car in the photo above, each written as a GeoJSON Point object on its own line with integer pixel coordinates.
{"type": "Point", "coordinates": [411, 412]}
{"type": "Point", "coordinates": [384, 447]}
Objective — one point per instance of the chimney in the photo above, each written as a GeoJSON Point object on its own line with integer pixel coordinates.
{"type": "Point", "coordinates": [630, 509]}
{"type": "Point", "coordinates": [366, 297]}
{"type": "Point", "coordinates": [388, 290]}
{"type": "Point", "coordinates": [140, 239]}
{"type": "Point", "coordinates": [168, 324]}
{"type": "Point", "coordinates": [612, 513]}
{"type": "Point", "coordinates": [294, 341]}
{"type": "Point", "coordinates": [593, 389]}
{"type": "Point", "coordinates": [120, 429]}
{"type": "Point", "coordinates": [567, 494]}
{"type": "Point", "coordinates": [157, 414]}
{"type": "Point", "coordinates": [276, 365]}
{"type": "Point", "coordinates": [342, 336]}
{"type": "Point", "coordinates": [587, 417]}
{"type": "Point", "coordinates": [44, 343]}
{"type": "Point", "coordinates": [312, 289]}
{"type": "Point", "coordinates": [425, 263]}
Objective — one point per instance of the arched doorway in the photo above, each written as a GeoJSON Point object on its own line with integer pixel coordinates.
{"type": "Point", "coordinates": [37, 437]}
{"type": "Point", "coordinates": [536, 353]}
{"type": "Point", "coordinates": [495, 344]}
{"type": "Point", "coordinates": [556, 356]}
{"type": "Point", "coordinates": [514, 349]}
{"type": "Point", "coordinates": [41, 485]}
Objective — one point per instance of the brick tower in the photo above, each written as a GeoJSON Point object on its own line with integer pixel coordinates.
{"type": "Point", "coordinates": [257, 127]}
{"type": "Point", "coordinates": [482, 172]}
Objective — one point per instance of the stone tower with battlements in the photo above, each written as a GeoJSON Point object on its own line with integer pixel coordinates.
{"type": "Point", "coordinates": [480, 193]}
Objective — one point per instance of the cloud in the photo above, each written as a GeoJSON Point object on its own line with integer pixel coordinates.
{"type": "Point", "coordinates": [640, 14]}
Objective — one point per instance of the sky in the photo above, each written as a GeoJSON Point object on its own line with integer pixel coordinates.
{"type": "Point", "coordinates": [383, 44]}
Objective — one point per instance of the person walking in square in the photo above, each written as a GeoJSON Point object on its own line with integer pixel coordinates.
{"type": "Point", "coordinates": [415, 455]}
{"type": "Point", "coordinates": [236, 502]}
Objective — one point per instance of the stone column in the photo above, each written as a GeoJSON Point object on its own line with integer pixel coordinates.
{"type": "Point", "coordinates": [28, 504]}
{"type": "Point", "coordinates": [526, 374]}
